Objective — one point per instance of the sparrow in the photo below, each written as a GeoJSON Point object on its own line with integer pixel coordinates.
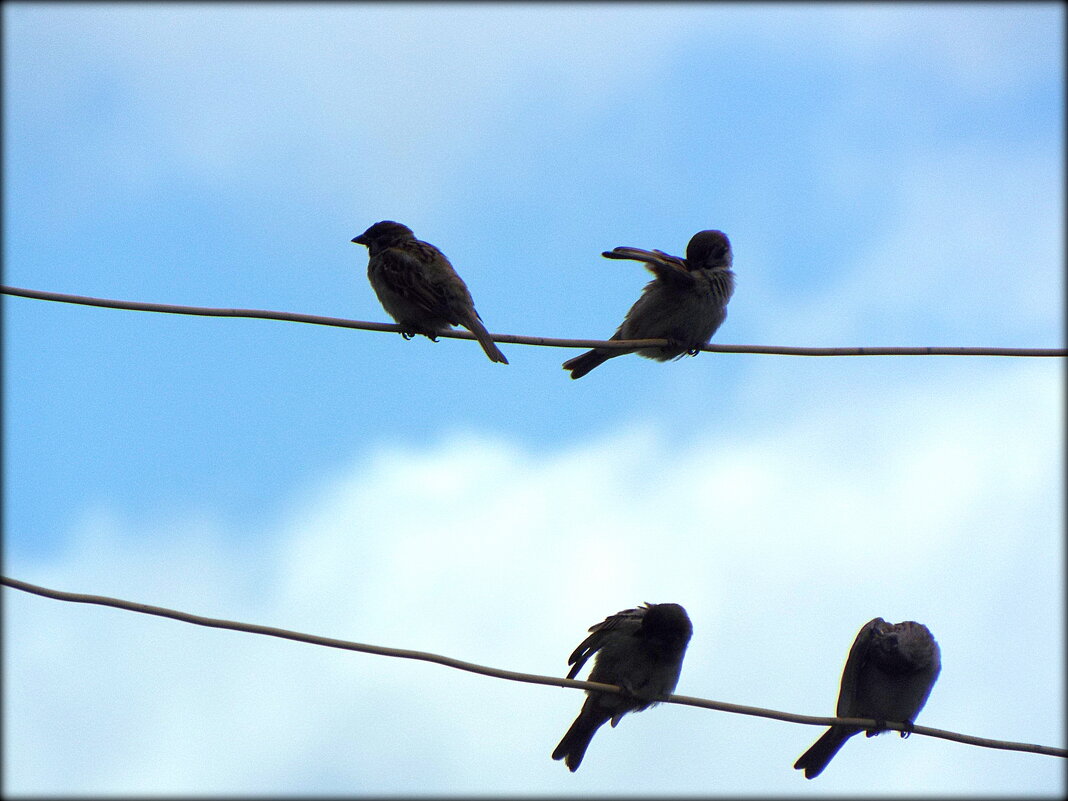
{"type": "Point", "coordinates": [639, 650]}
{"type": "Point", "coordinates": [685, 303]}
{"type": "Point", "coordinates": [889, 674]}
{"type": "Point", "coordinates": [418, 286]}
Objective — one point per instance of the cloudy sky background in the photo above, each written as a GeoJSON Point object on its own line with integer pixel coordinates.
{"type": "Point", "coordinates": [888, 175]}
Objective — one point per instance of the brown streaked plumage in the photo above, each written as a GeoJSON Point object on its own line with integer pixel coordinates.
{"type": "Point", "coordinates": [419, 287]}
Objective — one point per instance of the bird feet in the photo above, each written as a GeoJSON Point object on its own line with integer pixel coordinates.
{"type": "Point", "coordinates": [685, 347]}
{"type": "Point", "coordinates": [880, 727]}
{"type": "Point", "coordinates": [414, 334]}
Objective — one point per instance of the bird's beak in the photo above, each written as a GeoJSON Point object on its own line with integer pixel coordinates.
{"type": "Point", "coordinates": [360, 240]}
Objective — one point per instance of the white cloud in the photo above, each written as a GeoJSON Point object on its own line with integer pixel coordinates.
{"type": "Point", "coordinates": [970, 255]}
{"type": "Point", "coordinates": [378, 99]}
{"type": "Point", "coordinates": [981, 50]}
{"type": "Point", "coordinates": [780, 540]}
{"type": "Point", "coordinates": [374, 101]}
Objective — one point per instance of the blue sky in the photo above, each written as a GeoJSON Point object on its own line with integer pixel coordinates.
{"type": "Point", "coordinates": [888, 175]}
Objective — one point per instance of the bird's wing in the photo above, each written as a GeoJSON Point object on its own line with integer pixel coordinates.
{"type": "Point", "coordinates": [858, 658]}
{"type": "Point", "coordinates": [424, 276]}
{"type": "Point", "coordinates": [628, 620]}
{"type": "Point", "coordinates": [665, 266]}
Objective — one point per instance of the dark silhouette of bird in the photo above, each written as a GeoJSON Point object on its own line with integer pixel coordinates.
{"type": "Point", "coordinates": [418, 286]}
{"type": "Point", "coordinates": [685, 303]}
{"type": "Point", "coordinates": [639, 650]}
{"type": "Point", "coordinates": [889, 674]}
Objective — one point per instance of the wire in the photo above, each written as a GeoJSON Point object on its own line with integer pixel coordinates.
{"type": "Point", "coordinates": [517, 339]}
{"type": "Point", "coordinates": [511, 675]}
{"type": "Point", "coordinates": [482, 669]}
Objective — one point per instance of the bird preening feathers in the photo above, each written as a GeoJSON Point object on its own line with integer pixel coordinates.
{"type": "Point", "coordinates": [685, 303]}
{"type": "Point", "coordinates": [419, 287]}
{"type": "Point", "coordinates": [888, 675]}
{"type": "Point", "coordinates": [639, 650]}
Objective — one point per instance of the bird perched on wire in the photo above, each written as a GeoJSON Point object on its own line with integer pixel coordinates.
{"type": "Point", "coordinates": [418, 286]}
{"type": "Point", "coordinates": [685, 303]}
{"type": "Point", "coordinates": [640, 650]}
{"type": "Point", "coordinates": [889, 674]}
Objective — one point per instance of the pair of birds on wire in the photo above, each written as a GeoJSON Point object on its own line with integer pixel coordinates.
{"type": "Point", "coordinates": [685, 303]}
{"type": "Point", "coordinates": [888, 676]}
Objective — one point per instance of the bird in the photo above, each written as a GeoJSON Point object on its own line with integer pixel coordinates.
{"type": "Point", "coordinates": [888, 676]}
{"type": "Point", "coordinates": [685, 303]}
{"type": "Point", "coordinates": [419, 287]}
{"type": "Point", "coordinates": [639, 650]}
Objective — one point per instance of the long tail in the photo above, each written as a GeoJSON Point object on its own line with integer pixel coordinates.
{"type": "Point", "coordinates": [474, 325]}
{"type": "Point", "coordinates": [573, 747]}
{"type": "Point", "coordinates": [581, 365]}
{"type": "Point", "coordinates": [815, 759]}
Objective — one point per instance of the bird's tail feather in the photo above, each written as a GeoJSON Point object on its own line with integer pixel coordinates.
{"type": "Point", "coordinates": [574, 744]}
{"type": "Point", "coordinates": [816, 758]}
{"type": "Point", "coordinates": [474, 325]}
{"type": "Point", "coordinates": [581, 365]}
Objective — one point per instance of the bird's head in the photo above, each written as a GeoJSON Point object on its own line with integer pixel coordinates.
{"type": "Point", "coordinates": [709, 249]}
{"type": "Point", "coordinates": [383, 235]}
{"type": "Point", "coordinates": [667, 623]}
